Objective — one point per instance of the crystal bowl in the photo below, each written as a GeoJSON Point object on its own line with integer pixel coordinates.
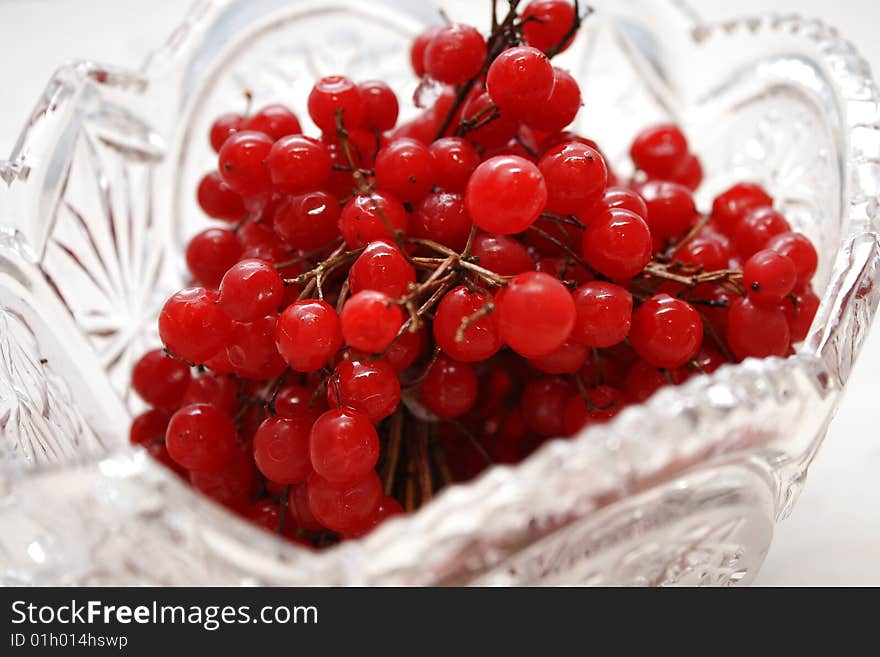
{"type": "Point", "coordinates": [97, 202]}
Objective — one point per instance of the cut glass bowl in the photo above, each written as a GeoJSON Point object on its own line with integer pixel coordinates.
{"type": "Point", "coordinates": [97, 202]}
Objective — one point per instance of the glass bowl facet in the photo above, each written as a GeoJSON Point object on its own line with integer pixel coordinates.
{"type": "Point", "coordinates": [97, 203]}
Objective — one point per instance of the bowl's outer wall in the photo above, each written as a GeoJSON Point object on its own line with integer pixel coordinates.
{"type": "Point", "coordinates": [98, 204]}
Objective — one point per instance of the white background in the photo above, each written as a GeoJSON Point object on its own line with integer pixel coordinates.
{"type": "Point", "coordinates": [833, 537]}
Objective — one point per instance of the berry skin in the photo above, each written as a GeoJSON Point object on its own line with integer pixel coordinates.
{"type": "Point", "coordinates": [160, 380]}
{"type": "Point", "coordinates": [505, 195]}
{"type": "Point", "coordinates": [417, 51]}
{"type": "Point", "coordinates": [734, 204]}
{"type": "Point", "coordinates": [450, 389]}
{"type": "Point", "coordinates": [711, 252]}
{"type": "Point", "coordinates": [298, 508]}
{"type": "Point", "coordinates": [250, 289]}
{"type": "Point", "coordinates": [344, 446]}
{"type": "Point", "coordinates": [604, 314]}
{"type": "Point", "coordinates": [624, 199]}
{"type": "Point", "coordinates": [617, 243]}
{"type": "Point", "coordinates": [281, 449]}
{"type": "Point", "coordinates": [576, 178]}
{"type": "Point", "coordinates": [756, 229]}
{"type": "Point", "coordinates": [757, 332]}
{"type": "Point", "coordinates": [454, 162]}
{"type": "Point", "coordinates": [543, 405]}
{"type": "Point", "coordinates": [442, 217]}
{"type": "Point", "coordinates": [380, 105]}
{"type": "Point", "coordinates": [406, 349]}
{"type": "Point", "coordinates": [802, 253]}
{"type": "Point", "coordinates": [224, 127]}
{"type": "Point", "coordinates": [405, 169]}
{"type": "Point", "coordinates": [274, 121]}
{"type": "Point", "coordinates": [218, 201]}
{"type": "Point", "coordinates": [331, 94]}
{"type": "Point", "coordinates": [299, 402]}
{"type": "Point", "coordinates": [490, 134]}
{"type": "Point", "coordinates": [800, 314]}
{"type": "Point", "coordinates": [536, 314]}
{"type": "Point", "coordinates": [219, 391]}
{"type": "Point", "coordinates": [519, 77]}
{"type": "Point", "coordinates": [660, 151]}
{"type": "Point", "coordinates": [371, 387]}
{"type": "Point", "coordinates": [560, 109]}
{"type": "Point", "coordinates": [298, 164]}
{"type": "Point", "coordinates": [308, 334]}
{"type": "Point", "coordinates": [479, 341]}
{"type": "Point", "coordinates": [546, 22]}
{"type": "Point", "coordinates": [455, 54]}
{"type": "Point", "coordinates": [362, 221]}
{"type": "Point", "coordinates": [666, 332]}
{"type": "Point", "coordinates": [568, 359]}
{"type": "Point", "coordinates": [606, 402]}
{"type": "Point", "coordinates": [201, 438]}
{"type": "Point", "coordinates": [671, 209]}
{"type": "Point", "coordinates": [210, 254]}
{"type": "Point", "coordinates": [690, 174]}
{"type": "Point", "coordinates": [370, 321]}
{"type": "Point", "coordinates": [149, 428]}
{"type": "Point", "coordinates": [308, 221]}
{"type": "Point", "coordinates": [192, 326]}
{"type": "Point", "coordinates": [251, 350]}
{"type": "Point", "coordinates": [345, 509]}
{"type": "Point", "coordinates": [243, 163]}
{"type": "Point", "coordinates": [382, 268]}
{"type": "Point", "coordinates": [768, 277]}
{"type": "Point", "coordinates": [502, 254]}
{"type": "Point", "coordinates": [233, 485]}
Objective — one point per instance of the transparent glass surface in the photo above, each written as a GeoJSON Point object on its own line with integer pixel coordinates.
{"type": "Point", "coordinates": [97, 202]}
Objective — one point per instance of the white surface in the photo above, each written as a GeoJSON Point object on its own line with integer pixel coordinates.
{"type": "Point", "coordinates": [833, 537]}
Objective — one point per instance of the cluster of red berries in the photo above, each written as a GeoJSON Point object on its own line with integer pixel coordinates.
{"type": "Point", "coordinates": [393, 307]}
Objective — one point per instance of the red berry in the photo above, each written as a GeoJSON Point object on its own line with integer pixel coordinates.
{"type": "Point", "coordinates": [479, 341]}
{"type": "Point", "coordinates": [502, 254]}
{"type": "Point", "coordinates": [604, 314]}
{"type": "Point", "coordinates": [201, 438]}
{"type": "Point", "coordinates": [370, 321]}
{"type": "Point", "coordinates": [274, 121]}
{"type": "Point", "coordinates": [455, 54]}
{"type": "Point", "coordinates": [568, 359]}
{"type": "Point", "coordinates": [769, 277]}
{"type": "Point", "coordinates": [218, 201]}
{"type": "Point", "coordinates": [405, 169]}
{"type": "Point", "coordinates": [660, 151]}
{"type": "Point", "coordinates": [219, 391]}
{"type": "Point", "coordinates": [243, 163]}
{"type": "Point", "coordinates": [417, 52]}
{"type": "Point", "coordinates": [281, 449]}
{"type": "Point", "coordinates": [801, 252]}
{"type": "Point", "coordinates": [642, 381]}
{"type": "Point", "coordinates": [344, 446]}
{"type": "Point", "coordinates": [576, 178]}
{"type": "Point", "coordinates": [494, 133]}
{"type": "Point", "coordinates": [405, 350]}
{"type": "Point", "coordinates": [380, 105]}
{"type": "Point", "coordinates": [160, 380]}
{"type": "Point", "coordinates": [560, 109]}
{"type": "Point", "coordinates": [690, 174]}
{"type": "Point", "coordinates": [366, 219]}
{"type": "Point", "coordinates": [666, 332]}
{"type": "Point", "coordinates": [308, 221]}
{"type": "Point", "coordinates": [382, 268]}
{"type": "Point", "coordinates": [251, 351]}
{"type": "Point", "coordinates": [454, 162]}
{"type": "Point", "coordinates": [250, 289]}
{"type": "Point", "coordinates": [605, 403]}
{"type": "Point", "coordinates": [299, 402]}
{"type": "Point", "coordinates": [233, 485]}
{"type": "Point", "coordinates": [345, 508]}
{"type": "Point", "coordinates": [671, 209]}
{"type": "Point", "coordinates": [308, 334]}
{"type": "Point", "coordinates": [450, 389]}
{"type": "Point", "coordinates": [519, 77]}
{"type": "Point", "coordinates": [298, 164]}
{"type": "Point", "coordinates": [210, 254]}
{"type": "Point", "coordinates": [222, 128]}
{"type": "Point", "coordinates": [505, 195]}
{"type": "Point", "coordinates": [298, 508]}
{"type": "Point", "coordinates": [368, 386]}
{"type": "Point", "coordinates": [800, 313]}
{"type": "Point", "coordinates": [711, 252]}
{"type": "Point", "coordinates": [442, 217]}
{"type": "Point", "coordinates": [547, 22]}
{"type": "Point", "coordinates": [757, 332]}
{"type": "Point", "coordinates": [332, 94]}
{"type": "Point", "coordinates": [192, 326]}
{"type": "Point", "coordinates": [756, 229]}
{"type": "Point", "coordinates": [536, 314]}
{"type": "Point", "coordinates": [149, 427]}
{"type": "Point", "coordinates": [543, 405]}
{"type": "Point", "coordinates": [624, 199]}
{"type": "Point", "coordinates": [617, 243]}
{"type": "Point", "coordinates": [734, 204]}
